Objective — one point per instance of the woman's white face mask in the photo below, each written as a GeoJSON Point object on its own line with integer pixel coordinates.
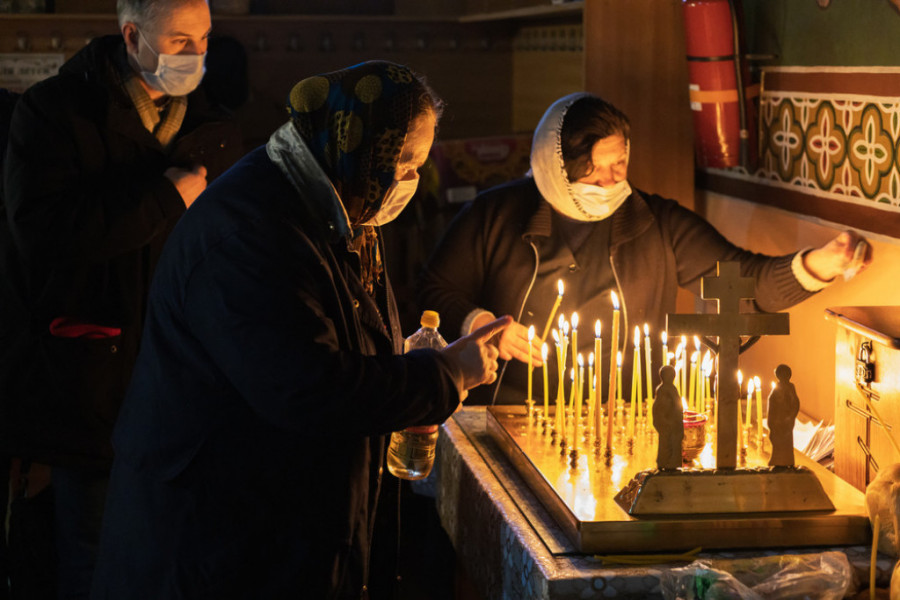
{"type": "Point", "coordinates": [176, 74]}
{"type": "Point", "coordinates": [600, 202]}
{"type": "Point", "coordinates": [398, 196]}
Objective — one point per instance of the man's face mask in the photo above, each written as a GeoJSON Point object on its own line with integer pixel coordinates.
{"type": "Point", "coordinates": [176, 74]}
{"type": "Point", "coordinates": [398, 196]}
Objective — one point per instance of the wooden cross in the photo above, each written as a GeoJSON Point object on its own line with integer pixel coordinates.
{"type": "Point", "coordinates": [728, 289]}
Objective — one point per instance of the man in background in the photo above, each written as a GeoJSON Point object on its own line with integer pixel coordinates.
{"type": "Point", "coordinates": [103, 159]}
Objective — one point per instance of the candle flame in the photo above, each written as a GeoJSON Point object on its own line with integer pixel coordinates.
{"type": "Point", "coordinates": [646, 330]}
{"type": "Point", "coordinates": [684, 405]}
{"type": "Point", "coordinates": [773, 385]}
{"type": "Point", "coordinates": [597, 327]}
{"type": "Point", "coordinates": [566, 328]}
{"type": "Point", "coordinates": [750, 386]}
{"type": "Point", "coordinates": [615, 300]}
{"type": "Point", "coordinates": [618, 359]}
{"type": "Point", "coordinates": [556, 337]}
{"type": "Point", "coordinates": [574, 320]}
{"type": "Point", "coordinates": [740, 378]}
{"type": "Point", "coordinates": [697, 343]}
{"type": "Point", "coordinates": [665, 338]}
{"type": "Point", "coordinates": [544, 351]}
{"type": "Point", "coordinates": [707, 363]}
{"type": "Point", "coordinates": [559, 286]}
{"type": "Point", "coordinates": [572, 373]}
{"type": "Point", "coordinates": [684, 341]}
{"type": "Point", "coordinates": [637, 335]}
{"type": "Point", "coordinates": [757, 381]}
{"type": "Point", "coordinates": [580, 360]}
{"type": "Point", "coordinates": [560, 321]}
{"type": "Point", "coordinates": [695, 356]}
{"type": "Point", "coordinates": [591, 359]}
{"type": "Point", "coordinates": [531, 333]}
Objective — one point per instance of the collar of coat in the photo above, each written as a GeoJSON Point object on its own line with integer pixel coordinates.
{"type": "Point", "coordinates": [287, 149]}
{"type": "Point", "coordinates": [629, 221]}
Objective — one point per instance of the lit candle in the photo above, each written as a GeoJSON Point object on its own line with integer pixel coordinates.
{"type": "Point", "coordinates": [559, 286]}
{"type": "Point", "coordinates": [598, 409]}
{"type": "Point", "coordinates": [699, 389]}
{"type": "Point", "coordinates": [530, 362]}
{"type": "Point", "coordinates": [632, 408]}
{"type": "Point", "coordinates": [572, 390]}
{"type": "Point", "coordinates": [611, 399]}
{"type": "Point", "coordinates": [759, 410]}
{"type": "Point", "coordinates": [740, 394]}
{"type": "Point", "coordinates": [636, 378]}
{"type": "Point", "coordinates": [544, 353]}
{"type": "Point", "coordinates": [740, 418]}
{"type": "Point", "coordinates": [692, 389]}
{"type": "Point", "coordinates": [592, 395]}
{"type": "Point", "coordinates": [620, 400]}
{"type": "Point", "coordinates": [560, 367]}
{"type": "Point", "coordinates": [665, 347]}
{"type": "Point", "coordinates": [648, 362]}
{"type": "Point", "coordinates": [579, 393]}
{"type": "Point", "coordinates": [685, 359]}
{"type": "Point", "coordinates": [707, 371]}
{"type": "Point", "coordinates": [574, 339]}
{"type": "Point", "coordinates": [747, 418]}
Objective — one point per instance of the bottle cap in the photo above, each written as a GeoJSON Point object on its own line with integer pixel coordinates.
{"type": "Point", "coordinates": [430, 318]}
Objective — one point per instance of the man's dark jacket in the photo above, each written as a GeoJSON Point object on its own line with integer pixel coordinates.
{"type": "Point", "coordinates": [250, 445]}
{"type": "Point", "coordinates": [86, 212]}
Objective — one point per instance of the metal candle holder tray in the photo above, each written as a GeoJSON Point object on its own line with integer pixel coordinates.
{"type": "Point", "coordinates": [579, 489]}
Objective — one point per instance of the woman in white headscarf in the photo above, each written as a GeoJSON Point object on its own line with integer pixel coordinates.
{"type": "Point", "coordinates": [575, 217]}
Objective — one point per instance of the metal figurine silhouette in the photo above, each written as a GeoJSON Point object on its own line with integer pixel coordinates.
{"type": "Point", "coordinates": [783, 408]}
{"type": "Point", "coordinates": [728, 288]}
{"type": "Point", "coordinates": [668, 420]}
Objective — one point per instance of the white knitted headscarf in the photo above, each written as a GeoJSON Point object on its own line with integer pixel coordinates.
{"type": "Point", "coordinates": [549, 170]}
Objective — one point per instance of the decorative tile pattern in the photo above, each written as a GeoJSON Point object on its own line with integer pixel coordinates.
{"type": "Point", "coordinates": [833, 133]}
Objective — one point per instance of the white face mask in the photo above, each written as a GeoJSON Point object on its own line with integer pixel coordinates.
{"type": "Point", "coordinates": [398, 196]}
{"type": "Point", "coordinates": [176, 74]}
{"type": "Point", "coordinates": [600, 202]}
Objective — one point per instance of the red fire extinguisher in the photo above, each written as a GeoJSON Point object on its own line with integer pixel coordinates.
{"type": "Point", "coordinates": [724, 114]}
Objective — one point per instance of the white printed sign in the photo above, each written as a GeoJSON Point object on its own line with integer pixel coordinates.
{"type": "Point", "coordinates": [19, 70]}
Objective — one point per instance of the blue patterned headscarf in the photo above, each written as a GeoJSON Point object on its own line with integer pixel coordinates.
{"type": "Point", "coordinates": [355, 121]}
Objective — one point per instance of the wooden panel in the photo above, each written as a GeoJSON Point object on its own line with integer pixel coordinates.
{"type": "Point", "coordinates": [469, 65]}
{"type": "Point", "coordinates": [548, 63]}
{"type": "Point", "coordinates": [635, 59]}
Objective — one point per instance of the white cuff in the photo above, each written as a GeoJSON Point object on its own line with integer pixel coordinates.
{"type": "Point", "coordinates": [807, 280]}
{"type": "Point", "coordinates": [466, 328]}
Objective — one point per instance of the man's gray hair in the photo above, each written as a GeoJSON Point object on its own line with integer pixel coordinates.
{"type": "Point", "coordinates": [145, 12]}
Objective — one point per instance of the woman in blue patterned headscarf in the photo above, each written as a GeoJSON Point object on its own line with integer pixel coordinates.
{"type": "Point", "coordinates": [249, 447]}
{"type": "Point", "coordinates": [354, 122]}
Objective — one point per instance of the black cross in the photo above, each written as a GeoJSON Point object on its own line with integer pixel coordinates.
{"type": "Point", "coordinates": [728, 289]}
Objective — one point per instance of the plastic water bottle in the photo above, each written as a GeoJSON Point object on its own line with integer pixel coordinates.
{"type": "Point", "coordinates": [411, 453]}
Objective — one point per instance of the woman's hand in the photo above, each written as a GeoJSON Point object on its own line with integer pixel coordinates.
{"type": "Point", "coordinates": [847, 254]}
{"type": "Point", "coordinates": [513, 341]}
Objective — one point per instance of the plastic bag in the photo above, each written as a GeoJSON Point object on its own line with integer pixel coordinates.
{"type": "Point", "coordinates": [823, 576]}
